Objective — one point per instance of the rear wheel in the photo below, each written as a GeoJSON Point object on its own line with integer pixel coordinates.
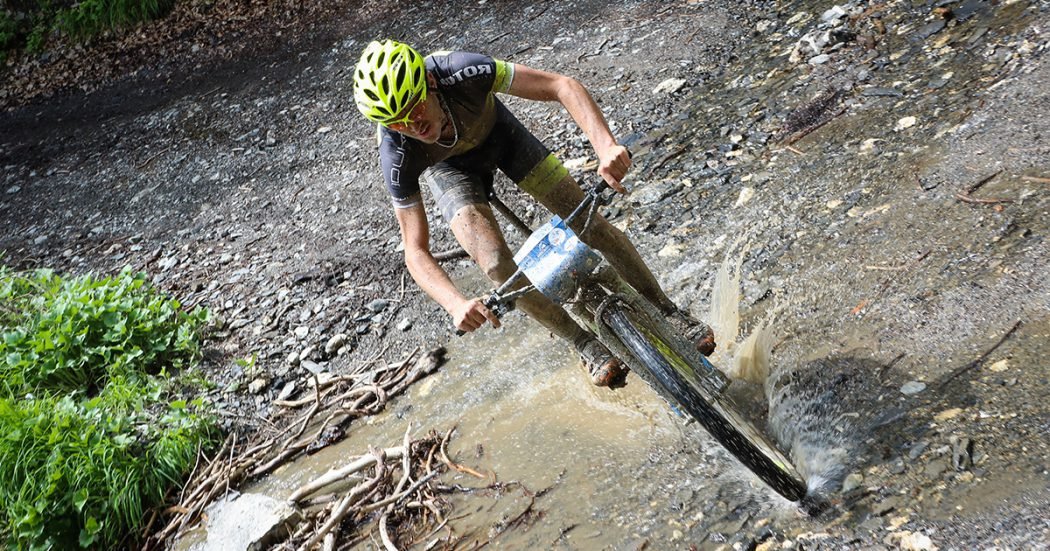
{"type": "Point", "coordinates": [696, 388]}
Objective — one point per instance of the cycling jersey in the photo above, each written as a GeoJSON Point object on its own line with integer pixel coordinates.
{"type": "Point", "coordinates": [467, 83]}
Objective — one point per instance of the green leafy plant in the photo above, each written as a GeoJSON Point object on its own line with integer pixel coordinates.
{"type": "Point", "coordinates": [69, 335]}
{"type": "Point", "coordinates": [93, 429]}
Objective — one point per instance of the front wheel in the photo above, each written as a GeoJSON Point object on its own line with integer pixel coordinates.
{"type": "Point", "coordinates": [696, 388]}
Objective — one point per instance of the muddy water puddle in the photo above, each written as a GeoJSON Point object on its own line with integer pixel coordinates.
{"type": "Point", "coordinates": [612, 467]}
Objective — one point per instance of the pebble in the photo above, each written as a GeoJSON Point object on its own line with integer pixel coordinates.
{"type": "Point", "coordinates": [852, 482]}
{"type": "Point", "coordinates": [334, 344]}
{"type": "Point", "coordinates": [905, 123]}
{"type": "Point", "coordinates": [258, 385]}
{"type": "Point", "coordinates": [404, 325]}
{"type": "Point", "coordinates": [302, 331]}
{"type": "Point", "coordinates": [286, 391]}
{"type": "Point", "coordinates": [312, 367]}
{"type": "Point", "coordinates": [912, 387]}
{"type": "Point", "coordinates": [999, 366]}
{"type": "Point", "coordinates": [669, 86]}
{"type": "Point", "coordinates": [378, 305]}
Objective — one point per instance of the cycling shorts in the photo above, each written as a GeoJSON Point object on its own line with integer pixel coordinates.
{"type": "Point", "coordinates": [468, 178]}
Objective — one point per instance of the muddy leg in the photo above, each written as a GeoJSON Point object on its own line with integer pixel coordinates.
{"type": "Point", "coordinates": [610, 241]}
{"type": "Point", "coordinates": [476, 229]}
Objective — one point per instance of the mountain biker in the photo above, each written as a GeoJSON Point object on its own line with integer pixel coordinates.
{"type": "Point", "coordinates": [439, 121]}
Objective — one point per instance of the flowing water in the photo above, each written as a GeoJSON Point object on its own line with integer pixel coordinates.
{"type": "Point", "coordinates": [621, 466]}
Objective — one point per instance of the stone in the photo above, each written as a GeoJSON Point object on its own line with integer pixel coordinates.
{"type": "Point", "coordinates": [287, 391]}
{"type": "Point", "coordinates": [999, 366]}
{"type": "Point", "coordinates": [258, 385]}
{"type": "Point", "coordinates": [852, 482]}
{"type": "Point", "coordinates": [905, 123]}
{"type": "Point", "coordinates": [312, 367]}
{"type": "Point", "coordinates": [377, 305]}
{"type": "Point", "coordinates": [669, 86]}
{"type": "Point", "coordinates": [334, 344]}
{"type": "Point", "coordinates": [247, 521]}
{"type": "Point", "coordinates": [947, 414]}
{"type": "Point", "coordinates": [912, 387]}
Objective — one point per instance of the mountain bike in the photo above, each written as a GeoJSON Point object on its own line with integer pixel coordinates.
{"type": "Point", "coordinates": [561, 266]}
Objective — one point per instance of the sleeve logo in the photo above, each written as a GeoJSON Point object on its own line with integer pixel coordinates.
{"type": "Point", "coordinates": [465, 73]}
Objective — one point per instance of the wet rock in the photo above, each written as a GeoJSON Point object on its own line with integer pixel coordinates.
{"type": "Point", "coordinates": [247, 521]}
{"type": "Point", "coordinates": [852, 482]}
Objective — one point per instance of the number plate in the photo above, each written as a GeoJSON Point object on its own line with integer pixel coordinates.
{"type": "Point", "coordinates": [555, 260]}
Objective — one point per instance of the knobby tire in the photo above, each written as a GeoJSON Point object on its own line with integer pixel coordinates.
{"type": "Point", "coordinates": [680, 379]}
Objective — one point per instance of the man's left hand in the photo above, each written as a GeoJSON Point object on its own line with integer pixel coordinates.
{"type": "Point", "coordinates": [613, 166]}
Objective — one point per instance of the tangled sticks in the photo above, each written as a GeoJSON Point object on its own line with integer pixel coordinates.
{"type": "Point", "coordinates": [401, 489]}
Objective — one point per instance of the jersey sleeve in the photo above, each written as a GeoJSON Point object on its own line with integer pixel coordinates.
{"type": "Point", "coordinates": [401, 168]}
{"type": "Point", "coordinates": [468, 72]}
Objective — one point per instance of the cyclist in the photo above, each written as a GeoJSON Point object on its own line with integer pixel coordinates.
{"type": "Point", "coordinates": [439, 121]}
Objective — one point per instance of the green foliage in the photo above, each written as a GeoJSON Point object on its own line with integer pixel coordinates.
{"type": "Point", "coordinates": [69, 335]}
{"type": "Point", "coordinates": [82, 473]}
{"type": "Point", "coordinates": [26, 24]}
{"type": "Point", "coordinates": [92, 433]}
{"type": "Point", "coordinates": [88, 18]}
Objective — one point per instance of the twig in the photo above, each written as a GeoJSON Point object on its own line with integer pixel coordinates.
{"type": "Point", "coordinates": [977, 185]}
{"type": "Point", "coordinates": [971, 200]}
{"type": "Point", "coordinates": [809, 129]}
{"type": "Point", "coordinates": [981, 358]}
{"type": "Point", "coordinates": [336, 475]}
{"type": "Point", "coordinates": [669, 156]}
{"type": "Point", "coordinates": [794, 150]}
{"type": "Point", "coordinates": [443, 455]}
{"type": "Point", "coordinates": [1036, 179]}
{"type": "Point", "coordinates": [151, 158]}
{"type": "Point", "coordinates": [498, 37]}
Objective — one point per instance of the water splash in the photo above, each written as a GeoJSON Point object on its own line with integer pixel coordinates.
{"type": "Point", "coordinates": [811, 408]}
{"type": "Point", "coordinates": [749, 359]}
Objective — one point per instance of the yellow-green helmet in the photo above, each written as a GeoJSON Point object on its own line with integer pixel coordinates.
{"type": "Point", "coordinates": [389, 77]}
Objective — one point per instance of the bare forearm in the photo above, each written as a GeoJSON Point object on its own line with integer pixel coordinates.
{"type": "Point", "coordinates": [434, 281]}
{"type": "Point", "coordinates": [585, 111]}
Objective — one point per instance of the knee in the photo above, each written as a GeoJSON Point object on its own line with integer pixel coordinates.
{"type": "Point", "coordinates": [496, 265]}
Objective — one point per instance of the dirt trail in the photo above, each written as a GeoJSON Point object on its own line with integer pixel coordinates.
{"type": "Point", "coordinates": [887, 165]}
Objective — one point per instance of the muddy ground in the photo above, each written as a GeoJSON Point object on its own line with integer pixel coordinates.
{"type": "Point", "coordinates": [887, 167]}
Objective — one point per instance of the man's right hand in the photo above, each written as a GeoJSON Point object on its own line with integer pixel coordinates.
{"type": "Point", "coordinates": [471, 314]}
